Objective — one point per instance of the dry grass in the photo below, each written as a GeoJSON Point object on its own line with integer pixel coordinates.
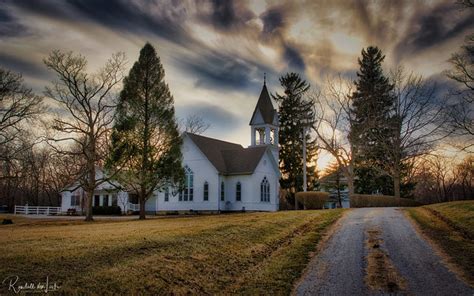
{"type": "Point", "coordinates": [450, 227]}
{"type": "Point", "coordinates": [381, 274]}
{"type": "Point", "coordinates": [239, 253]}
{"type": "Point", "coordinates": [366, 200]}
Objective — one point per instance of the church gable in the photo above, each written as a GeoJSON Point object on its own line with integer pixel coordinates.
{"type": "Point", "coordinates": [229, 158]}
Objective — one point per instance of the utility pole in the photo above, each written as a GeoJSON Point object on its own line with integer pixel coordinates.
{"type": "Point", "coordinates": [305, 185]}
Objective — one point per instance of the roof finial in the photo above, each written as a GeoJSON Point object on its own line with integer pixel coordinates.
{"type": "Point", "coordinates": [264, 78]}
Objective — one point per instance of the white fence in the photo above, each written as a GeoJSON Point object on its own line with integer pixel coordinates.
{"type": "Point", "coordinates": [133, 207]}
{"type": "Point", "coordinates": [31, 210]}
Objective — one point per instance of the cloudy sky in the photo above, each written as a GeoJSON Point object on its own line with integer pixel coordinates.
{"type": "Point", "coordinates": [215, 52]}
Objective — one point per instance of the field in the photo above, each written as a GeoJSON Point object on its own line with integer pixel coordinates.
{"type": "Point", "coordinates": [251, 253]}
{"type": "Point", "coordinates": [451, 226]}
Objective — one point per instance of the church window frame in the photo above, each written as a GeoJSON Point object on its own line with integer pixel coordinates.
{"type": "Point", "coordinates": [205, 191]}
{"type": "Point", "coordinates": [222, 191]}
{"type": "Point", "coordinates": [188, 192]}
{"type": "Point", "coordinates": [265, 190]}
{"type": "Point", "coordinates": [238, 191]}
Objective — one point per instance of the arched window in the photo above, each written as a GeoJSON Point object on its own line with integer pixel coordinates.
{"type": "Point", "coordinates": [188, 192]}
{"type": "Point", "coordinates": [238, 191]}
{"type": "Point", "coordinates": [206, 191]}
{"type": "Point", "coordinates": [265, 190]}
{"type": "Point", "coordinates": [222, 191]}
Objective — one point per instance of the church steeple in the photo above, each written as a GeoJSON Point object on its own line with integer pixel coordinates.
{"type": "Point", "coordinates": [264, 121]}
{"type": "Point", "coordinates": [264, 109]}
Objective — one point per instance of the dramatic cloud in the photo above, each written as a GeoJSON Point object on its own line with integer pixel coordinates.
{"type": "Point", "coordinates": [294, 58]}
{"type": "Point", "coordinates": [163, 19]}
{"type": "Point", "coordinates": [432, 27]}
{"type": "Point", "coordinates": [229, 14]}
{"type": "Point", "coordinates": [27, 68]}
{"type": "Point", "coordinates": [273, 20]}
{"type": "Point", "coordinates": [221, 120]}
{"type": "Point", "coordinates": [9, 25]}
{"type": "Point", "coordinates": [216, 51]}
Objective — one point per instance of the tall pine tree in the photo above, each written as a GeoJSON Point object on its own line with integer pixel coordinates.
{"type": "Point", "coordinates": [371, 131]}
{"type": "Point", "coordinates": [145, 139]}
{"type": "Point", "coordinates": [295, 111]}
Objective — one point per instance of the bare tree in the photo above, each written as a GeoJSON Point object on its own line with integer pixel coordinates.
{"type": "Point", "coordinates": [460, 113]}
{"type": "Point", "coordinates": [333, 122]}
{"type": "Point", "coordinates": [417, 123]}
{"type": "Point", "coordinates": [87, 105]}
{"type": "Point", "coordinates": [464, 172]}
{"type": "Point", "coordinates": [440, 179]}
{"type": "Point", "coordinates": [18, 105]}
{"type": "Point", "coordinates": [194, 124]}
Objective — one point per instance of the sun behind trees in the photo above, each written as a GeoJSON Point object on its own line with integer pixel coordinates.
{"type": "Point", "coordinates": [145, 138]}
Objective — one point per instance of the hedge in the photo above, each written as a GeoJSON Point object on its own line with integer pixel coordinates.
{"type": "Point", "coordinates": [312, 199]}
{"type": "Point", "coordinates": [367, 200]}
{"type": "Point", "coordinates": [113, 210]}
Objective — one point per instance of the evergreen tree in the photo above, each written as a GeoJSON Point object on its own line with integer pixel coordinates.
{"type": "Point", "coordinates": [145, 138]}
{"type": "Point", "coordinates": [295, 112]}
{"type": "Point", "coordinates": [371, 131]}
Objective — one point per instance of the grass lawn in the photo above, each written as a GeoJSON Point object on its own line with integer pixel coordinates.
{"type": "Point", "coordinates": [451, 226]}
{"type": "Point", "coordinates": [250, 253]}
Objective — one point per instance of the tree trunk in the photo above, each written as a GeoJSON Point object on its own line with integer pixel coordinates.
{"type": "Point", "coordinates": [396, 185]}
{"type": "Point", "coordinates": [338, 184]}
{"type": "Point", "coordinates": [89, 196]}
{"type": "Point", "coordinates": [141, 200]}
{"type": "Point", "coordinates": [348, 172]}
{"type": "Point", "coordinates": [90, 186]}
{"type": "Point", "coordinates": [350, 185]}
{"type": "Point", "coordinates": [142, 208]}
{"type": "Point", "coordinates": [296, 201]}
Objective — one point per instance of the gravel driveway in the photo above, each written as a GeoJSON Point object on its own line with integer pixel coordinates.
{"type": "Point", "coordinates": [340, 268]}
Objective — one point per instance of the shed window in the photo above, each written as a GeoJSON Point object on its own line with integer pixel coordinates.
{"type": "Point", "coordinates": [75, 200]}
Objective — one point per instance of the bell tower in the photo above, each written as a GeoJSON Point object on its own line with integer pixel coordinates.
{"type": "Point", "coordinates": [264, 122]}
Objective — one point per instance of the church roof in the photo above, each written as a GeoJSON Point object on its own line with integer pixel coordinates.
{"type": "Point", "coordinates": [265, 106]}
{"type": "Point", "coordinates": [229, 158]}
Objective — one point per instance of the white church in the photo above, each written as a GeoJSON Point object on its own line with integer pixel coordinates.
{"type": "Point", "coordinates": [220, 176]}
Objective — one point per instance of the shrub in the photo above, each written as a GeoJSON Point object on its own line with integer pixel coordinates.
{"type": "Point", "coordinates": [367, 200]}
{"type": "Point", "coordinates": [113, 210]}
{"type": "Point", "coordinates": [312, 199]}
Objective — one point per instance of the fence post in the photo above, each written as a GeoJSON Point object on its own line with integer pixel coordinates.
{"type": "Point", "coordinates": [26, 209]}
{"type": "Point", "coordinates": [14, 211]}
{"type": "Point", "coordinates": [37, 210]}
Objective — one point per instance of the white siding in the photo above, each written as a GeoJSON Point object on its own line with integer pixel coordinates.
{"type": "Point", "coordinates": [251, 188]}
{"type": "Point", "coordinates": [122, 199]}
{"type": "Point", "coordinates": [65, 201]}
{"type": "Point", "coordinates": [203, 171]}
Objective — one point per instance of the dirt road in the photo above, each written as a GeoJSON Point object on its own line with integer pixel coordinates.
{"type": "Point", "coordinates": [377, 251]}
